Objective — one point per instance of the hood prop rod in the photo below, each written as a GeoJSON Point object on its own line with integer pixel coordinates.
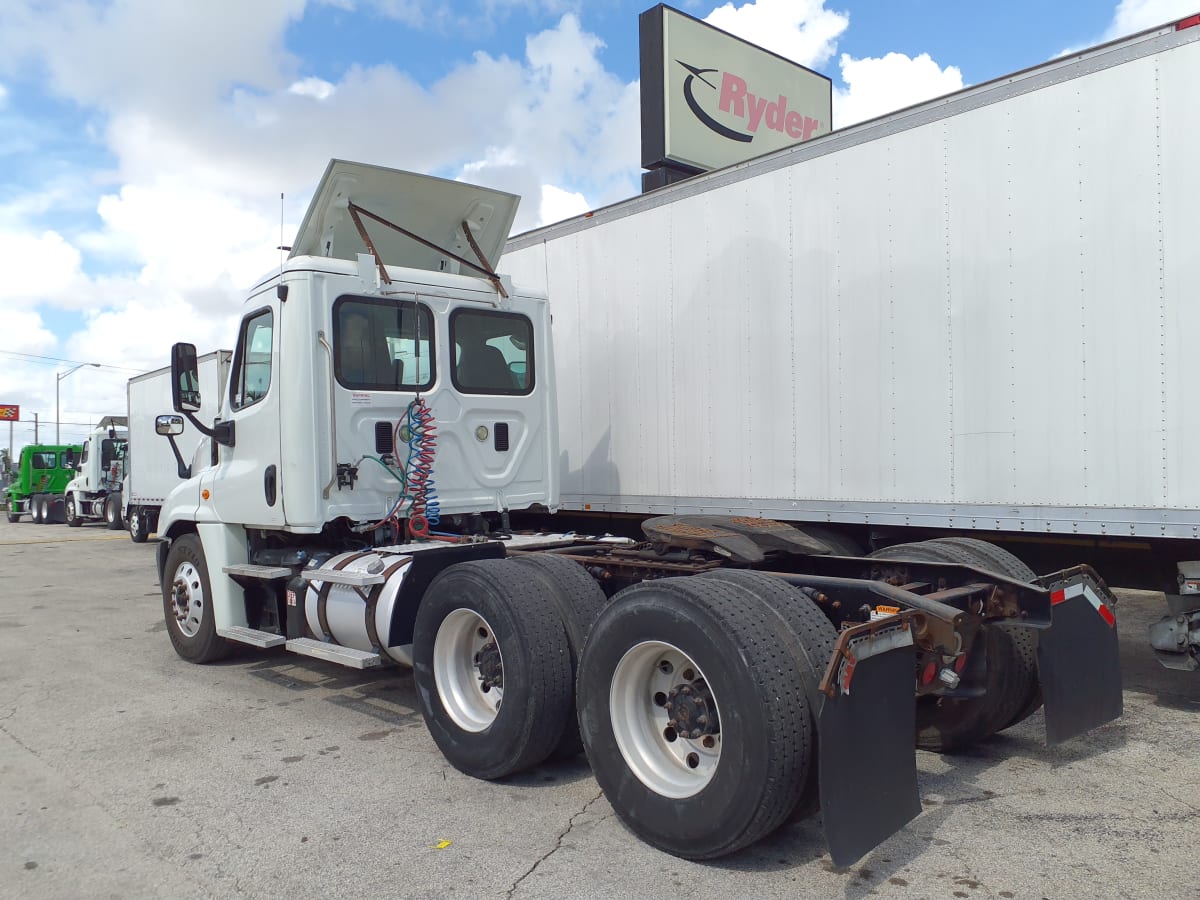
{"type": "Point", "coordinates": [356, 212]}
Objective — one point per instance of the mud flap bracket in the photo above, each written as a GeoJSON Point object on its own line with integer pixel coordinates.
{"type": "Point", "coordinates": [868, 767]}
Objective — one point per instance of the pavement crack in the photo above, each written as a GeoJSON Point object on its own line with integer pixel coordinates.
{"type": "Point", "coordinates": [1181, 802]}
{"type": "Point", "coordinates": [558, 842]}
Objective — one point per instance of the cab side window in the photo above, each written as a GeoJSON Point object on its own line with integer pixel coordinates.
{"type": "Point", "coordinates": [252, 360]}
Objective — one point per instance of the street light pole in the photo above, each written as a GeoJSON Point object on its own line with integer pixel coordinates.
{"type": "Point", "coordinates": [57, 381]}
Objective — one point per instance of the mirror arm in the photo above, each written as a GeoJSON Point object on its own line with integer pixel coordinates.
{"type": "Point", "coordinates": [185, 471]}
{"type": "Point", "coordinates": [221, 432]}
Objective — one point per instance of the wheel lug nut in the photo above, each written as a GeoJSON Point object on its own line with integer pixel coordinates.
{"type": "Point", "coordinates": [701, 720]}
{"type": "Point", "coordinates": [686, 689]}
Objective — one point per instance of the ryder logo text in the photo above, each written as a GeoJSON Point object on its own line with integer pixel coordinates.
{"type": "Point", "coordinates": [737, 101]}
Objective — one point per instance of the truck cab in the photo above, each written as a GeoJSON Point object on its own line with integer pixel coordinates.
{"type": "Point", "coordinates": [342, 352]}
{"type": "Point", "coordinates": [385, 384]}
{"type": "Point", "coordinates": [41, 474]}
{"type": "Point", "coordinates": [94, 494]}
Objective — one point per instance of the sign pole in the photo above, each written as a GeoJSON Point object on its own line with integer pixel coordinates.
{"type": "Point", "coordinates": [35, 428]}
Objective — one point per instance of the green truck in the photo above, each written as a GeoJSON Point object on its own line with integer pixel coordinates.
{"type": "Point", "coordinates": [39, 480]}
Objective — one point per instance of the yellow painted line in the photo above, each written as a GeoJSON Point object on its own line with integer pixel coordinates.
{"type": "Point", "coordinates": [104, 537]}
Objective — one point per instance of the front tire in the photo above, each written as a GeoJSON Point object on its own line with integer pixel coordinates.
{"type": "Point", "coordinates": [698, 780]}
{"type": "Point", "coordinates": [73, 520]}
{"type": "Point", "coordinates": [492, 667]}
{"type": "Point", "coordinates": [139, 525]}
{"type": "Point", "coordinates": [187, 603]}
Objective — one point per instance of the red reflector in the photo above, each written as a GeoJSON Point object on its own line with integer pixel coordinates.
{"type": "Point", "coordinates": [1107, 615]}
{"type": "Point", "coordinates": [929, 673]}
{"type": "Point", "coordinates": [1057, 597]}
{"type": "Point", "coordinates": [1187, 23]}
{"type": "Point", "coordinates": [960, 663]}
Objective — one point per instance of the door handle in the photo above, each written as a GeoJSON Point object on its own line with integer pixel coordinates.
{"type": "Point", "coordinates": [270, 484]}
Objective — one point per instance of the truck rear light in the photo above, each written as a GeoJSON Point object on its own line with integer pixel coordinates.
{"type": "Point", "coordinates": [1188, 22]}
{"type": "Point", "coordinates": [928, 673]}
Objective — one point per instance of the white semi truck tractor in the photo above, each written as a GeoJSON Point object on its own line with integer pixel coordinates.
{"type": "Point", "coordinates": [94, 494]}
{"type": "Point", "coordinates": [391, 399]}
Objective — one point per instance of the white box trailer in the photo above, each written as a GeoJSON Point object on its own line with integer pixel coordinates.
{"type": "Point", "coordinates": [152, 468]}
{"type": "Point", "coordinates": [975, 313]}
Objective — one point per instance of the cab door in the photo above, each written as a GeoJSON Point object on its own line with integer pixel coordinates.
{"type": "Point", "coordinates": [244, 488]}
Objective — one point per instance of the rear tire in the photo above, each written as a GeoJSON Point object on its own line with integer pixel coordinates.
{"type": "Point", "coordinates": [492, 667]}
{"type": "Point", "coordinates": [684, 795]}
{"type": "Point", "coordinates": [998, 560]}
{"type": "Point", "coordinates": [947, 724]}
{"type": "Point", "coordinates": [73, 520]}
{"type": "Point", "coordinates": [38, 510]}
{"type": "Point", "coordinates": [139, 525]}
{"type": "Point", "coordinates": [839, 542]}
{"type": "Point", "coordinates": [579, 601]}
{"type": "Point", "coordinates": [187, 603]}
{"type": "Point", "coordinates": [112, 512]}
{"type": "Point", "coordinates": [816, 636]}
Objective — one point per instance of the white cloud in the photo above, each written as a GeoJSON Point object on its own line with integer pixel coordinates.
{"type": "Point", "coordinates": [802, 30]}
{"type": "Point", "coordinates": [876, 86]}
{"type": "Point", "coordinates": [37, 268]}
{"type": "Point", "coordinates": [317, 88]}
{"type": "Point", "coordinates": [558, 204]}
{"type": "Point", "coordinates": [3, 94]}
{"type": "Point", "coordinates": [1132, 16]}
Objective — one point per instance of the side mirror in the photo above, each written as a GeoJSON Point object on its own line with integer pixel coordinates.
{"type": "Point", "coordinates": [168, 425]}
{"type": "Point", "coordinates": [185, 380]}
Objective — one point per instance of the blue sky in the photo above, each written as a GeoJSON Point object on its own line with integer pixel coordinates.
{"type": "Point", "coordinates": [144, 143]}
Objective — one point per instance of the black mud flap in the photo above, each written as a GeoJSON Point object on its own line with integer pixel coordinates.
{"type": "Point", "coordinates": [868, 766]}
{"type": "Point", "coordinates": [1078, 659]}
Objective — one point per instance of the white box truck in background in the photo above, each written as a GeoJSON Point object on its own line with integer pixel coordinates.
{"type": "Point", "coordinates": [151, 468]}
{"type": "Point", "coordinates": [94, 494]}
{"type": "Point", "coordinates": [973, 315]}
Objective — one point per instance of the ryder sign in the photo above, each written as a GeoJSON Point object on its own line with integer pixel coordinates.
{"type": "Point", "coordinates": [710, 99]}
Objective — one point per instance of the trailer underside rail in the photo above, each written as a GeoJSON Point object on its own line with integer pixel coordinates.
{"type": "Point", "coordinates": [1078, 657]}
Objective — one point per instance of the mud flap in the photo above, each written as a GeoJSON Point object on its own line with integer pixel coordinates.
{"type": "Point", "coordinates": [1078, 659]}
{"type": "Point", "coordinates": [868, 766]}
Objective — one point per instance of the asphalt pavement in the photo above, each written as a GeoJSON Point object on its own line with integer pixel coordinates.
{"type": "Point", "coordinates": [127, 772]}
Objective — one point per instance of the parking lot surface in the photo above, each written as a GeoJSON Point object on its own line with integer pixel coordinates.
{"type": "Point", "coordinates": [127, 772]}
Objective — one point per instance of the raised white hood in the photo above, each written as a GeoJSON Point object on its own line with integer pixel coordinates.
{"type": "Point", "coordinates": [432, 208]}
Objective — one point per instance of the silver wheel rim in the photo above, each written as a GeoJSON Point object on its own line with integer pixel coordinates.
{"type": "Point", "coordinates": [135, 522]}
{"type": "Point", "coordinates": [467, 696]}
{"type": "Point", "coordinates": [188, 599]}
{"type": "Point", "coordinates": [664, 760]}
